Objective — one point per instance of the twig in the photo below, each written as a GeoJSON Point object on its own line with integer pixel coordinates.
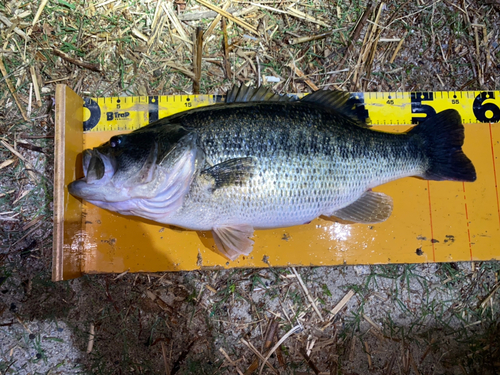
{"type": "Point", "coordinates": [373, 40]}
{"type": "Point", "coordinates": [490, 295]}
{"type": "Point", "coordinates": [121, 274]}
{"type": "Point", "coordinates": [83, 64]}
{"type": "Point", "coordinates": [15, 71]}
{"type": "Point", "coordinates": [368, 355]}
{"type": "Point", "coordinates": [357, 30]}
{"type": "Point", "coordinates": [398, 47]}
{"type": "Point", "coordinates": [17, 30]}
{"type": "Point", "coordinates": [90, 344]}
{"type": "Point", "coordinates": [309, 361]}
{"type": "Point", "coordinates": [258, 69]}
{"type": "Point", "coordinates": [269, 337]}
{"type": "Point", "coordinates": [225, 47]}
{"type": "Point", "coordinates": [277, 345]}
{"type": "Point", "coordinates": [31, 147]}
{"type": "Point", "coordinates": [302, 75]}
{"type": "Point", "coordinates": [304, 39]}
{"type": "Point", "coordinates": [259, 354]}
{"type": "Point", "coordinates": [372, 323]}
{"type": "Point", "coordinates": [198, 50]}
{"type": "Point", "coordinates": [342, 303]}
{"type": "Point", "coordinates": [181, 69]}
{"type": "Point", "coordinates": [214, 23]}
{"type": "Point", "coordinates": [242, 54]}
{"type": "Point", "coordinates": [30, 99]}
{"type": "Point", "coordinates": [167, 7]}
{"type": "Point", "coordinates": [32, 230]}
{"type": "Point", "coordinates": [165, 362]}
{"type": "Point", "coordinates": [294, 13]}
{"type": "Point", "coordinates": [297, 13]}
{"type": "Point", "coordinates": [301, 282]}
{"type": "Point", "coordinates": [12, 90]}
{"type": "Point", "coordinates": [26, 163]}
{"type": "Point", "coordinates": [228, 15]}
{"type": "Point", "coordinates": [6, 163]}
{"type": "Point", "coordinates": [476, 37]}
{"type": "Point", "coordinates": [156, 27]}
{"type": "Point", "coordinates": [39, 11]}
{"type": "Point", "coordinates": [35, 86]}
{"type": "Point", "coordinates": [205, 14]}
{"type": "Point", "coordinates": [411, 14]}
{"type": "Point", "coordinates": [231, 362]}
{"type": "Point", "coordinates": [135, 32]}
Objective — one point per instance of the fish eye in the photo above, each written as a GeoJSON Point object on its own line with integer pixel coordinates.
{"type": "Point", "coordinates": [115, 141]}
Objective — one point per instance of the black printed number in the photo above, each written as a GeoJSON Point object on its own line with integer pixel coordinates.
{"type": "Point", "coordinates": [187, 105]}
{"type": "Point", "coordinates": [418, 108]}
{"type": "Point", "coordinates": [454, 101]}
{"type": "Point", "coordinates": [486, 112]}
{"type": "Point", "coordinates": [390, 101]}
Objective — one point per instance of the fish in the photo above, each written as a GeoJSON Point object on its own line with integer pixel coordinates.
{"type": "Point", "coordinates": [260, 161]}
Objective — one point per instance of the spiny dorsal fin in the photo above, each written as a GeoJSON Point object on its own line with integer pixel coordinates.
{"type": "Point", "coordinates": [371, 208]}
{"type": "Point", "coordinates": [244, 94]}
{"type": "Point", "coordinates": [339, 101]}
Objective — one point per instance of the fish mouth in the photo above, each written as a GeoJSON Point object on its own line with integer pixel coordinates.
{"type": "Point", "coordinates": [98, 169]}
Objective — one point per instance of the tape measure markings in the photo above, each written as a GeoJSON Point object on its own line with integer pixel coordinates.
{"type": "Point", "coordinates": [382, 108]}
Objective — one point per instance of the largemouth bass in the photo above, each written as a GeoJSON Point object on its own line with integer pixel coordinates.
{"type": "Point", "coordinates": [265, 161]}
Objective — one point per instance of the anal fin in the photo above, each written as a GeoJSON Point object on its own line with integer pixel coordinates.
{"type": "Point", "coordinates": [233, 240]}
{"type": "Point", "coordinates": [371, 208]}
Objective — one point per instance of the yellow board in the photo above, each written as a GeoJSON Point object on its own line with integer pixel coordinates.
{"type": "Point", "coordinates": [432, 221]}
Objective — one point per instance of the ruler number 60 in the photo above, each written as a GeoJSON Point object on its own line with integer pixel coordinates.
{"type": "Point", "coordinates": [486, 112]}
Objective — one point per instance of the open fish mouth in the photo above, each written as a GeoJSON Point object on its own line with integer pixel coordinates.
{"type": "Point", "coordinates": [98, 169]}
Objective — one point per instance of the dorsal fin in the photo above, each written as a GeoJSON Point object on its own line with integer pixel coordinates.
{"type": "Point", "coordinates": [340, 101]}
{"type": "Point", "coordinates": [244, 94]}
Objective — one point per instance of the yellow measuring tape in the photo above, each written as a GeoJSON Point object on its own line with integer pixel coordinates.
{"type": "Point", "coordinates": [380, 108]}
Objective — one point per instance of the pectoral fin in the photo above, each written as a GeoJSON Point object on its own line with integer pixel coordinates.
{"type": "Point", "coordinates": [233, 240]}
{"type": "Point", "coordinates": [230, 172]}
{"type": "Point", "coordinates": [371, 208]}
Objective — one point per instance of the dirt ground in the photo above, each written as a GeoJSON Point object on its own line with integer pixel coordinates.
{"type": "Point", "coordinates": [384, 319]}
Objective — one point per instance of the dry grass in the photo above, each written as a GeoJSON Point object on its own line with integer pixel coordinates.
{"type": "Point", "coordinates": [381, 319]}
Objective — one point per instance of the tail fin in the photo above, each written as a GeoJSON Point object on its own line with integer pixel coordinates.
{"type": "Point", "coordinates": [443, 137]}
